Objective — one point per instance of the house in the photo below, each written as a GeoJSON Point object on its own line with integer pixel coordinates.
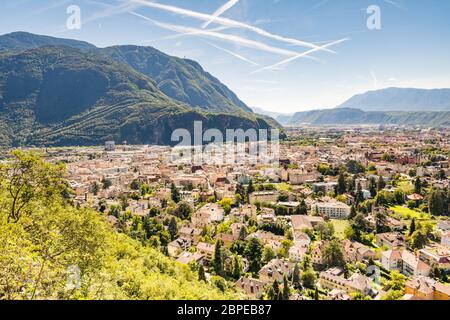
{"type": "Point", "coordinates": [404, 261]}
{"type": "Point", "coordinates": [355, 251]}
{"type": "Point", "coordinates": [208, 214]}
{"type": "Point", "coordinates": [338, 295]}
{"type": "Point", "coordinates": [268, 239]}
{"type": "Point", "coordinates": [275, 270]}
{"type": "Point", "coordinates": [445, 239]}
{"type": "Point", "coordinates": [189, 257]}
{"type": "Point", "coordinates": [251, 287]}
{"type": "Point", "coordinates": [227, 239]}
{"type": "Point", "coordinates": [300, 223]}
{"type": "Point", "coordinates": [332, 210]}
{"type": "Point", "coordinates": [239, 231]}
{"type": "Point", "coordinates": [436, 255]}
{"type": "Point", "coordinates": [178, 245]}
{"type": "Point", "coordinates": [207, 250]}
{"type": "Point", "coordinates": [263, 197]}
{"type": "Point", "coordinates": [318, 254]}
{"type": "Point", "coordinates": [191, 233]}
{"type": "Point", "coordinates": [214, 210]}
{"type": "Point", "coordinates": [324, 187]}
{"type": "Point", "coordinates": [391, 240]}
{"type": "Point", "coordinates": [297, 253]}
{"type": "Point", "coordinates": [424, 288]}
{"type": "Point", "coordinates": [444, 225]}
{"type": "Point", "coordinates": [334, 279]}
{"type": "Point", "coordinates": [301, 239]}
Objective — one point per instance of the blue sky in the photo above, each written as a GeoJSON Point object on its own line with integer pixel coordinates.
{"type": "Point", "coordinates": [247, 41]}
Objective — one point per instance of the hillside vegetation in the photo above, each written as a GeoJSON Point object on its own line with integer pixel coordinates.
{"type": "Point", "coordinates": [56, 96]}
{"type": "Point", "coordinates": [52, 250]}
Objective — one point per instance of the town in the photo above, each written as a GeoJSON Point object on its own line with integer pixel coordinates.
{"type": "Point", "coordinates": [359, 213]}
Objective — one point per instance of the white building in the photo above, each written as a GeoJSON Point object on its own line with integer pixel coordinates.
{"type": "Point", "coordinates": [333, 210]}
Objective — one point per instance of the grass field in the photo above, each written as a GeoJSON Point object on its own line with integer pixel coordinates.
{"type": "Point", "coordinates": [408, 214]}
{"type": "Point", "coordinates": [339, 227]}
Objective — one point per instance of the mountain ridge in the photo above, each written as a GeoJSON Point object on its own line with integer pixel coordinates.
{"type": "Point", "coordinates": [349, 116]}
{"type": "Point", "coordinates": [400, 99]}
{"type": "Point", "coordinates": [60, 95]}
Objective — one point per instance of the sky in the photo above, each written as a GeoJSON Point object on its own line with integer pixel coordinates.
{"type": "Point", "coordinates": [280, 55]}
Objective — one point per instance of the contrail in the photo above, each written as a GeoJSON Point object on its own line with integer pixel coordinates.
{"type": "Point", "coordinates": [229, 23]}
{"type": "Point", "coordinates": [302, 55]}
{"type": "Point", "coordinates": [232, 53]}
{"type": "Point", "coordinates": [180, 35]}
{"type": "Point", "coordinates": [226, 37]}
{"type": "Point", "coordinates": [227, 6]}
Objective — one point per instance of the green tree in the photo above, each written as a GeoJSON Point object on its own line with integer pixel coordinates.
{"type": "Point", "coordinates": [253, 252]}
{"type": "Point", "coordinates": [334, 254]}
{"type": "Point", "coordinates": [201, 273]}
{"type": "Point", "coordinates": [418, 240]}
{"type": "Point", "coordinates": [381, 183]}
{"type": "Point", "coordinates": [175, 194]}
{"type": "Point", "coordinates": [183, 211]}
{"type": "Point", "coordinates": [218, 258]}
{"type": "Point", "coordinates": [296, 278]}
{"type": "Point", "coordinates": [286, 292]}
{"type": "Point", "coordinates": [237, 267]}
{"type": "Point", "coordinates": [373, 188]}
{"type": "Point", "coordinates": [412, 227]}
{"type": "Point", "coordinates": [342, 184]}
{"type": "Point", "coordinates": [438, 203]}
{"type": "Point", "coordinates": [106, 184]}
{"type": "Point", "coordinates": [173, 228]}
{"type": "Point", "coordinates": [302, 208]}
{"type": "Point", "coordinates": [309, 279]}
{"type": "Point", "coordinates": [418, 186]}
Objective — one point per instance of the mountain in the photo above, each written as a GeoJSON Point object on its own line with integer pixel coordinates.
{"type": "Point", "coordinates": [65, 96]}
{"type": "Point", "coordinates": [271, 114]}
{"type": "Point", "coordinates": [66, 92]}
{"type": "Point", "coordinates": [347, 116]}
{"type": "Point", "coordinates": [181, 79]}
{"type": "Point", "coordinates": [19, 41]}
{"type": "Point", "coordinates": [401, 99]}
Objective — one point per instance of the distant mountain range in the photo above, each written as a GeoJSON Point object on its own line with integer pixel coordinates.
{"type": "Point", "coordinates": [387, 106]}
{"type": "Point", "coordinates": [269, 113]}
{"type": "Point", "coordinates": [401, 99]}
{"type": "Point", "coordinates": [67, 92]}
{"type": "Point", "coordinates": [348, 116]}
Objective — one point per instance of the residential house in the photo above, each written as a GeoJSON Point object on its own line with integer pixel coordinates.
{"type": "Point", "coordinates": [404, 261]}
{"type": "Point", "coordinates": [207, 250]}
{"type": "Point", "coordinates": [334, 279]}
{"type": "Point", "coordinates": [297, 253]}
{"type": "Point", "coordinates": [193, 234]}
{"type": "Point", "coordinates": [318, 254]}
{"type": "Point", "coordinates": [445, 239]}
{"type": "Point", "coordinates": [177, 246]}
{"type": "Point", "coordinates": [391, 240]}
{"type": "Point", "coordinates": [275, 270]}
{"type": "Point", "coordinates": [189, 257]}
{"type": "Point", "coordinates": [355, 251]}
{"type": "Point", "coordinates": [436, 255]}
{"type": "Point", "coordinates": [263, 197]}
{"type": "Point", "coordinates": [300, 223]}
{"type": "Point", "coordinates": [424, 288]}
{"type": "Point", "coordinates": [252, 287]}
